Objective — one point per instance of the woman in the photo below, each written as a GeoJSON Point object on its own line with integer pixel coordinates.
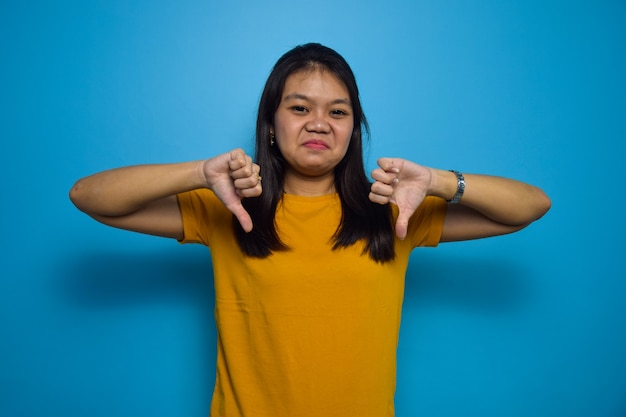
{"type": "Point", "coordinates": [309, 262]}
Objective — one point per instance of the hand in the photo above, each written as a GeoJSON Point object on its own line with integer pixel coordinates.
{"type": "Point", "coordinates": [233, 176]}
{"type": "Point", "coordinates": [402, 183]}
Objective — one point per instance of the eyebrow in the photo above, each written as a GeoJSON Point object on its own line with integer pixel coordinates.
{"type": "Point", "coordinates": [299, 96]}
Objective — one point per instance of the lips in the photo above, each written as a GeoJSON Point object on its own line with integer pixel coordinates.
{"type": "Point", "coordinates": [315, 144]}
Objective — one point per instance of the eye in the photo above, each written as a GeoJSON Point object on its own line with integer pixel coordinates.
{"type": "Point", "coordinates": [338, 113]}
{"type": "Point", "coordinates": [298, 109]}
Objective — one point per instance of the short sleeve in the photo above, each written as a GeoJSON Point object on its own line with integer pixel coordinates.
{"type": "Point", "coordinates": [200, 211]}
{"type": "Point", "coordinates": [426, 224]}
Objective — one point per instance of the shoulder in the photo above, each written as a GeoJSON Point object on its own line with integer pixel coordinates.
{"type": "Point", "coordinates": [202, 213]}
{"type": "Point", "coordinates": [431, 206]}
{"type": "Point", "coordinates": [200, 199]}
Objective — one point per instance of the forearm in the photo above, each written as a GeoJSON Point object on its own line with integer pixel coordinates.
{"type": "Point", "coordinates": [502, 200]}
{"type": "Point", "coordinates": [122, 191]}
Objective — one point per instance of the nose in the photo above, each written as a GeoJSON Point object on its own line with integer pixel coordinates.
{"type": "Point", "coordinates": [318, 124]}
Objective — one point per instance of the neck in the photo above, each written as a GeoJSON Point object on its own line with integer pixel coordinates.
{"type": "Point", "coordinates": [298, 184]}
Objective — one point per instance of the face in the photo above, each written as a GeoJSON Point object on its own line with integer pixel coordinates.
{"type": "Point", "coordinates": [313, 123]}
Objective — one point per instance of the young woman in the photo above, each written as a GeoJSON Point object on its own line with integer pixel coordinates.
{"type": "Point", "coordinates": [309, 261]}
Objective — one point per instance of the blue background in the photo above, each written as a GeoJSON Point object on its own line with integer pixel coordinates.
{"type": "Point", "coordinates": [100, 322]}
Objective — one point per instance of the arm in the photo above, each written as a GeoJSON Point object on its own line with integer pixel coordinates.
{"type": "Point", "coordinates": [490, 205]}
{"type": "Point", "coordinates": [143, 198]}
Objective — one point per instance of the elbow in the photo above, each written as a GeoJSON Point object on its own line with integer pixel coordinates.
{"type": "Point", "coordinates": [75, 194]}
{"type": "Point", "coordinates": [543, 205]}
{"type": "Point", "coordinates": [78, 196]}
{"type": "Point", "coordinates": [540, 206]}
{"type": "Point", "coordinates": [534, 209]}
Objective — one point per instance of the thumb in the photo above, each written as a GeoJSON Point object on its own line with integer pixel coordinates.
{"type": "Point", "coordinates": [242, 216]}
{"type": "Point", "coordinates": [402, 224]}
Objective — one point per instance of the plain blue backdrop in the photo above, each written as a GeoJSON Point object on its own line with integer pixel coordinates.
{"type": "Point", "coordinates": [101, 322]}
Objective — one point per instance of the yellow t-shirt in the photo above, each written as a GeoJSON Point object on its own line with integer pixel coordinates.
{"type": "Point", "coordinates": [310, 331]}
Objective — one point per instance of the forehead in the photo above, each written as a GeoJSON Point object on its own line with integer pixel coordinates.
{"type": "Point", "coordinates": [315, 82]}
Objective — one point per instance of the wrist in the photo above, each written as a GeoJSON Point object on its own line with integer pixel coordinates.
{"type": "Point", "coordinates": [444, 184]}
{"type": "Point", "coordinates": [203, 180]}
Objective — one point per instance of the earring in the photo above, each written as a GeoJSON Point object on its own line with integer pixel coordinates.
{"type": "Point", "coordinates": [272, 138]}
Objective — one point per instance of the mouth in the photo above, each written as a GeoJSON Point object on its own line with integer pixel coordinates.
{"type": "Point", "coordinates": [315, 144]}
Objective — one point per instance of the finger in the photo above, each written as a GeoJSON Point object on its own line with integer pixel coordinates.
{"type": "Point", "coordinates": [383, 176]}
{"type": "Point", "coordinates": [237, 158]}
{"type": "Point", "coordinates": [240, 164]}
{"type": "Point", "coordinates": [247, 182]}
{"type": "Point", "coordinates": [392, 165]}
{"type": "Point", "coordinates": [378, 199]}
{"type": "Point", "coordinates": [241, 168]}
{"type": "Point", "coordinates": [250, 181]}
{"type": "Point", "coordinates": [250, 191]}
{"type": "Point", "coordinates": [382, 189]}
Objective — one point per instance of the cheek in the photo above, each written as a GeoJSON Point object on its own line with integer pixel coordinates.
{"type": "Point", "coordinates": [347, 135]}
{"type": "Point", "coordinates": [282, 127]}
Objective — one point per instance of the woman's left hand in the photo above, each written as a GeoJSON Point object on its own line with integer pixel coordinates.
{"type": "Point", "coordinates": [490, 205]}
{"type": "Point", "coordinates": [403, 183]}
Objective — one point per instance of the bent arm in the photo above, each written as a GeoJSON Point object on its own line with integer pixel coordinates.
{"type": "Point", "coordinates": [143, 198]}
{"type": "Point", "coordinates": [490, 205]}
{"type": "Point", "coordinates": [139, 198]}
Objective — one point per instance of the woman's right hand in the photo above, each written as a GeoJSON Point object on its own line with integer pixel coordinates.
{"type": "Point", "coordinates": [233, 176]}
{"type": "Point", "coordinates": [143, 198]}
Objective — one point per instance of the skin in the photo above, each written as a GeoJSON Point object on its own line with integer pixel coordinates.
{"type": "Point", "coordinates": [313, 125]}
{"type": "Point", "coordinates": [142, 198]}
{"type": "Point", "coordinates": [490, 205]}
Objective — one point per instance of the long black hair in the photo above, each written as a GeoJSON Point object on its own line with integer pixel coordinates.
{"type": "Point", "coordinates": [361, 219]}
